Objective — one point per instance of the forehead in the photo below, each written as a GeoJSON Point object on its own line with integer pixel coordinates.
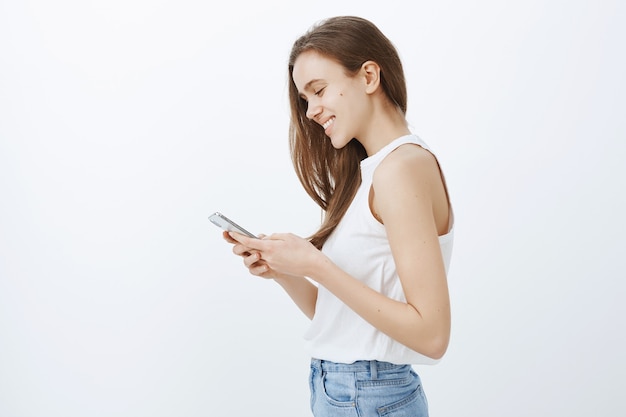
{"type": "Point", "coordinates": [312, 65]}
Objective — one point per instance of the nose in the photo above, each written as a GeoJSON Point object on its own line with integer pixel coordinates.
{"type": "Point", "coordinates": [313, 109]}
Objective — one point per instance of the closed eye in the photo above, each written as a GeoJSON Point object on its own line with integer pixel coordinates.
{"type": "Point", "coordinates": [320, 91]}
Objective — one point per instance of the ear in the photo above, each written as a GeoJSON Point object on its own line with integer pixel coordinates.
{"type": "Point", "coordinates": [371, 74]}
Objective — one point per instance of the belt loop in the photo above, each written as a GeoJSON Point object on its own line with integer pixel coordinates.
{"type": "Point", "coordinates": [373, 370]}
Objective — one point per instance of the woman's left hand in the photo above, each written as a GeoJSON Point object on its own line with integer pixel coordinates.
{"type": "Point", "coordinates": [285, 253]}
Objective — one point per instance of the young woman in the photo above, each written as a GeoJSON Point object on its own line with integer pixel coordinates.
{"type": "Point", "coordinates": [373, 278]}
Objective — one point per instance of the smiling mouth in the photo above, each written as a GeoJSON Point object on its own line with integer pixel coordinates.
{"type": "Point", "coordinates": [328, 123]}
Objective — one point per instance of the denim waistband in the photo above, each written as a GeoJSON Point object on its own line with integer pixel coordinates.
{"type": "Point", "coordinates": [373, 367]}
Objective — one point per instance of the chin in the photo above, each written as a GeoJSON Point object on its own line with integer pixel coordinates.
{"type": "Point", "coordinates": [339, 143]}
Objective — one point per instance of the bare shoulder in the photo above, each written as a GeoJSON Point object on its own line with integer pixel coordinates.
{"type": "Point", "coordinates": [408, 185]}
{"type": "Point", "coordinates": [410, 163]}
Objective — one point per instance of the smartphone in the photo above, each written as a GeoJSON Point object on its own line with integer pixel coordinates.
{"type": "Point", "coordinates": [227, 224]}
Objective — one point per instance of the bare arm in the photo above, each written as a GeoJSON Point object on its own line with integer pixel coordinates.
{"type": "Point", "coordinates": [422, 328]}
{"type": "Point", "coordinates": [302, 291]}
{"type": "Point", "coordinates": [410, 200]}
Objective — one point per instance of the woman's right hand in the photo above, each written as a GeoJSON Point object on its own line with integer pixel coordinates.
{"type": "Point", "coordinates": [251, 259]}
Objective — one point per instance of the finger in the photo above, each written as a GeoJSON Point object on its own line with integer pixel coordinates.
{"type": "Point", "coordinates": [237, 237]}
{"type": "Point", "coordinates": [278, 236]}
{"type": "Point", "coordinates": [260, 270]}
{"type": "Point", "coordinates": [241, 250]}
{"type": "Point", "coordinates": [227, 238]}
{"type": "Point", "coordinates": [252, 259]}
{"type": "Point", "coordinates": [250, 242]}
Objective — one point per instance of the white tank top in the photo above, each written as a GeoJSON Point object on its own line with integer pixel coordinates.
{"type": "Point", "coordinates": [360, 247]}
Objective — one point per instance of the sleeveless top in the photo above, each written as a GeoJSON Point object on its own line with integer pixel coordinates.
{"type": "Point", "coordinates": [360, 247]}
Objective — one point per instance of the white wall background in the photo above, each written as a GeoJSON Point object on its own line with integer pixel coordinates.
{"type": "Point", "coordinates": [124, 124]}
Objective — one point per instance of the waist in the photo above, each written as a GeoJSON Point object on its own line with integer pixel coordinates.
{"type": "Point", "coordinates": [372, 367]}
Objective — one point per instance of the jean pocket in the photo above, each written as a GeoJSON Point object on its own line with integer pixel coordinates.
{"type": "Point", "coordinates": [339, 388]}
{"type": "Point", "coordinates": [413, 405]}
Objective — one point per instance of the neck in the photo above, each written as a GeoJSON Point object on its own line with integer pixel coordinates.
{"type": "Point", "coordinates": [388, 123]}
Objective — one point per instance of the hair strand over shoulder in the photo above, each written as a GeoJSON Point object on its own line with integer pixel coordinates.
{"type": "Point", "coordinates": [332, 176]}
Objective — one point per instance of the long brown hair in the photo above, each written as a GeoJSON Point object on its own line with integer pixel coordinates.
{"type": "Point", "coordinates": [332, 176]}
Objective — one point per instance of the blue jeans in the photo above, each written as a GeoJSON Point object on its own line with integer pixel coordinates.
{"type": "Point", "coordinates": [366, 389]}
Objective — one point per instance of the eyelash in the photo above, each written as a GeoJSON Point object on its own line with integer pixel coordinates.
{"type": "Point", "coordinates": [316, 93]}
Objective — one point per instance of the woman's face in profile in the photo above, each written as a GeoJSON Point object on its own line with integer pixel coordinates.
{"type": "Point", "coordinates": [335, 101]}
